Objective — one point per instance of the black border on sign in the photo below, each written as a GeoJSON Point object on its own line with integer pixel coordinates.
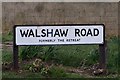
{"type": "Point", "coordinates": [14, 33]}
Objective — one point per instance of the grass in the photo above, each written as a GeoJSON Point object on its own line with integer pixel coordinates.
{"type": "Point", "coordinates": [7, 37]}
{"type": "Point", "coordinates": [7, 56]}
{"type": "Point", "coordinates": [73, 75]}
{"type": "Point", "coordinates": [0, 37]}
{"type": "Point", "coordinates": [56, 72]}
{"type": "Point", "coordinates": [71, 55]}
{"type": "Point", "coordinates": [75, 55]}
{"type": "Point", "coordinates": [10, 74]}
{"type": "Point", "coordinates": [112, 61]}
{"type": "Point", "coordinates": [59, 72]}
{"type": "Point", "coordinates": [67, 55]}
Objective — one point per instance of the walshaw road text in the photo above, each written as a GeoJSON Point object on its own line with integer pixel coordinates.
{"type": "Point", "coordinates": [58, 32]}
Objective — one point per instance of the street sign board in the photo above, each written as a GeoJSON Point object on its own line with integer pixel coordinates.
{"type": "Point", "coordinates": [59, 34]}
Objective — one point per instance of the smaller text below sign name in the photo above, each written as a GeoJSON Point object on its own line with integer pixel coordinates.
{"type": "Point", "coordinates": [59, 34]}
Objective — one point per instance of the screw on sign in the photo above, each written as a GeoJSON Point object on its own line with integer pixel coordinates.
{"type": "Point", "coordinates": [64, 34]}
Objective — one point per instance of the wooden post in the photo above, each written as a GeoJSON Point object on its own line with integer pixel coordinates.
{"type": "Point", "coordinates": [103, 51]}
{"type": "Point", "coordinates": [15, 52]}
{"type": "Point", "coordinates": [15, 57]}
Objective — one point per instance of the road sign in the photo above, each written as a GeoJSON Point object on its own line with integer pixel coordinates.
{"type": "Point", "coordinates": [66, 34]}
{"type": "Point", "coordinates": [59, 34]}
